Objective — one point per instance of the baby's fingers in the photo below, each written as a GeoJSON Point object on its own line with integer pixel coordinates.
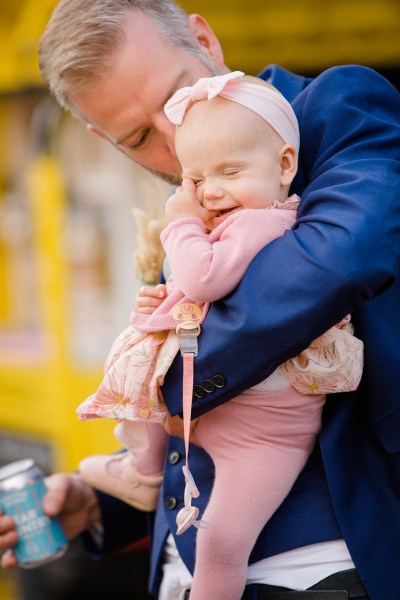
{"type": "Point", "coordinates": [148, 291]}
{"type": "Point", "coordinates": [188, 185]}
{"type": "Point", "coordinates": [149, 298]}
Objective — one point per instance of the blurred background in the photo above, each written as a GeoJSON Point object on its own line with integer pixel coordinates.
{"type": "Point", "coordinates": [67, 280]}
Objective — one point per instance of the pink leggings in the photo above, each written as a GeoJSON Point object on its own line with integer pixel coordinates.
{"type": "Point", "coordinates": [259, 444]}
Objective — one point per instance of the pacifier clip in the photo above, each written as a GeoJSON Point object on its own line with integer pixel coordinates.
{"type": "Point", "coordinates": [188, 316]}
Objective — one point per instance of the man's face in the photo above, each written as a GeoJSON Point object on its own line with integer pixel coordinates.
{"type": "Point", "coordinates": [126, 104]}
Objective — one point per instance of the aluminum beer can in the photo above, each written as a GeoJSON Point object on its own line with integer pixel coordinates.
{"type": "Point", "coordinates": [41, 538]}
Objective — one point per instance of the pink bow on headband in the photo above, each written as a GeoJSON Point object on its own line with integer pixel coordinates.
{"type": "Point", "coordinates": [205, 88]}
{"type": "Point", "coordinates": [265, 101]}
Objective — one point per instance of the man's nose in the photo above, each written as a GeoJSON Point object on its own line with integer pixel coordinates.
{"type": "Point", "coordinates": [167, 130]}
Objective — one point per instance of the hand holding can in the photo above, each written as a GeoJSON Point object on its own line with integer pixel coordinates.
{"type": "Point", "coordinates": [40, 538]}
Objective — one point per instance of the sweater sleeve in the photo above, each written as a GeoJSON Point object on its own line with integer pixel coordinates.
{"type": "Point", "coordinates": [208, 267]}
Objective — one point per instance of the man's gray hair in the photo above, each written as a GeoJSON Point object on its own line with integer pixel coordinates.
{"type": "Point", "coordinates": [83, 36]}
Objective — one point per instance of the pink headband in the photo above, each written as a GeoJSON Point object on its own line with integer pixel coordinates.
{"type": "Point", "coordinates": [264, 101]}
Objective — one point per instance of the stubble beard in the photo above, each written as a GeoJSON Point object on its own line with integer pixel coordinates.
{"type": "Point", "coordinates": [172, 179]}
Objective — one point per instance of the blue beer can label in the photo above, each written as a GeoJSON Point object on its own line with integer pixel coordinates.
{"type": "Point", "coordinates": [41, 538]}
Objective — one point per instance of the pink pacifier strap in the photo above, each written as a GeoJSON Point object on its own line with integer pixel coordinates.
{"type": "Point", "coordinates": [187, 333]}
{"type": "Point", "coordinates": [187, 391]}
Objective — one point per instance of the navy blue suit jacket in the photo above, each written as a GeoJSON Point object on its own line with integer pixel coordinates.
{"type": "Point", "coordinates": [342, 256]}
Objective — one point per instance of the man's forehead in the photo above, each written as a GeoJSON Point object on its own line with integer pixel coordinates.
{"type": "Point", "coordinates": [142, 36]}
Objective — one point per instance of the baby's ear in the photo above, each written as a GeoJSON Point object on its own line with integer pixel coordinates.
{"type": "Point", "coordinates": [288, 160]}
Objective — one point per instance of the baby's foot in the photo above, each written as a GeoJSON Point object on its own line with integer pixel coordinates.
{"type": "Point", "coordinates": [117, 475]}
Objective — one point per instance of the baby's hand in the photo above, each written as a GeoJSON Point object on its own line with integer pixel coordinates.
{"type": "Point", "coordinates": [149, 298]}
{"type": "Point", "coordinates": [184, 203]}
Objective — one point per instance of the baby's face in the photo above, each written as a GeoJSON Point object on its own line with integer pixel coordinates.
{"type": "Point", "coordinates": [232, 155]}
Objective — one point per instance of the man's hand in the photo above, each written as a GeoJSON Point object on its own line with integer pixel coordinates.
{"type": "Point", "coordinates": [69, 498]}
{"type": "Point", "coordinates": [149, 298]}
{"type": "Point", "coordinates": [184, 203]}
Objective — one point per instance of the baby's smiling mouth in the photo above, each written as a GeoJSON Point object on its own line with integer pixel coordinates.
{"type": "Point", "coordinates": [224, 211]}
{"type": "Point", "coordinates": [219, 216]}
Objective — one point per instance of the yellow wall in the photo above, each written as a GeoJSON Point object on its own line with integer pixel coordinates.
{"type": "Point", "coordinates": [21, 23]}
{"type": "Point", "coordinates": [297, 34]}
{"type": "Point", "coordinates": [40, 386]}
{"type": "Point", "coordinates": [305, 35]}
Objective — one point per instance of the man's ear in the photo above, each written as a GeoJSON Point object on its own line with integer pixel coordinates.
{"type": "Point", "coordinates": [92, 129]}
{"type": "Point", "coordinates": [206, 38]}
{"type": "Point", "coordinates": [288, 159]}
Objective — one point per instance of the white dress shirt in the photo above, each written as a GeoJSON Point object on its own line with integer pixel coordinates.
{"type": "Point", "coordinates": [297, 569]}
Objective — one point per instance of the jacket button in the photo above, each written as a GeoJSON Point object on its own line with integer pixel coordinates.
{"type": "Point", "coordinates": [198, 391]}
{"type": "Point", "coordinates": [174, 457]}
{"type": "Point", "coordinates": [171, 502]}
{"type": "Point", "coordinates": [208, 386]}
{"type": "Point", "coordinates": [219, 381]}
